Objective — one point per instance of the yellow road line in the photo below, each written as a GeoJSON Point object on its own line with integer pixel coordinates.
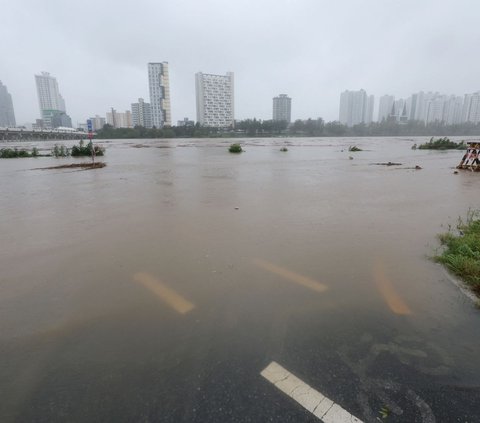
{"type": "Point", "coordinates": [166, 294]}
{"type": "Point", "coordinates": [291, 276]}
{"type": "Point", "coordinates": [386, 288]}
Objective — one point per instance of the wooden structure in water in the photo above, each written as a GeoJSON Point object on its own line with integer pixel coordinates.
{"type": "Point", "coordinates": [471, 159]}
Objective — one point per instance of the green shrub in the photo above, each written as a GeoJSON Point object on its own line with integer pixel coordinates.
{"type": "Point", "coordinates": [442, 144]}
{"type": "Point", "coordinates": [284, 149]}
{"type": "Point", "coordinates": [86, 150]}
{"type": "Point", "coordinates": [8, 153]}
{"type": "Point", "coordinates": [354, 148]}
{"type": "Point", "coordinates": [235, 148]}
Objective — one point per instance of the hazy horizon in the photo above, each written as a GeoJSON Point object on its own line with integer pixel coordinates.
{"type": "Point", "coordinates": [310, 50]}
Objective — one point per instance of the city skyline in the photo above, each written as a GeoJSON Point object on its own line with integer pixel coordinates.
{"type": "Point", "coordinates": [453, 112]}
{"type": "Point", "coordinates": [399, 49]}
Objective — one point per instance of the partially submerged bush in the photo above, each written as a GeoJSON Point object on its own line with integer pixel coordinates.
{"type": "Point", "coordinates": [354, 148]}
{"type": "Point", "coordinates": [9, 153]}
{"type": "Point", "coordinates": [442, 144]}
{"type": "Point", "coordinates": [284, 149]}
{"type": "Point", "coordinates": [235, 148]}
{"type": "Point", "coordinates": [86, 150]}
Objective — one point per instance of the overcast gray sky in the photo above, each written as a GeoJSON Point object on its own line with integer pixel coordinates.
{"type": "Point", "coordinates": [309, 49]}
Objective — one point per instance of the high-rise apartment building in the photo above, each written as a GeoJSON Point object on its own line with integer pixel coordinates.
{"type": "Point", "coordinates": [97, 122]}
{"type": "Point", "coordinates": [215, 99]}
{"type": "Point", "coordinates": [51, 102]}
{"type": "Point", "coordinates": [421, 107]}
{"type": "Point", "coordinates": [142, 114]}
{"type": "Point", "coordinates": [355, 107]}
{"type": "Point", "coordinates": [369, 110]}
{"type": "Point", "coordinates": [453, 110]}
{"type": "Point", "coordinates": [471, 108]}
{"type": "Point", "coordinates": [119, 120]}
{"type": "Point", "coordinates": [159, 87]}
{"type": "Point", "coordinates": [282, 108]}
{"type": "Point", "coordinates": [385, 107]}
{"type": "Point", "coordinates": [7, 115]}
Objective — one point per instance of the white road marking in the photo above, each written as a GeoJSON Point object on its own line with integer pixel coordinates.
{"type": "Point", "coordinates": [310, 399]}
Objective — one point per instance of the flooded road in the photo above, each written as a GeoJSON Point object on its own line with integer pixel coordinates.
{"type": "Point", "coordinates": [160, 287]}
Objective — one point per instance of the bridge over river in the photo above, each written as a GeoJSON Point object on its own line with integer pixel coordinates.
{"type": "Point", "coordinates": [19, 134]}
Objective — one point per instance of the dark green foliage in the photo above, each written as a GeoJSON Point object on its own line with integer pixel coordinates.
{"type": "Point", "coordinates": [284, 149]}
{"type": "Point", "coordinates": [9, 153]}
{"type": "Point", "coordinates": [86, 150]}
{"type": "Point", "coordinates": [235, 148]}
{"type": "Point", "coordinates": [354, 148]}
{"type": "Point", "coordinates": [35, 152]}
{"type": "Point", "coordinates": [462, 250]}
{"type": "Point", "coordinates": [442, 144]}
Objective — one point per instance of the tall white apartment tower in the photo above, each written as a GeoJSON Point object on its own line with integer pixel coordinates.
{"type": "Point", "coordinates": [142, 114]}
{"type": "Point", "coordinates": [49, 97]}
{"type": "Point", "coordinates": [354, 107]}
{"type": "Point", "coordinates": [159, 86]}
{"type": "Point", "coordinates": [385, 107]}
{"type": "Point", "coordinates": [215, 99]}
{"type": "Point", "coordinates": [51, 102]}
{"type": "Point", "coordinates": [282, 108]}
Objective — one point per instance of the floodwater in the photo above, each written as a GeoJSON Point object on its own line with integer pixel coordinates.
{"type": "Point", "coordinates": [159, 287]}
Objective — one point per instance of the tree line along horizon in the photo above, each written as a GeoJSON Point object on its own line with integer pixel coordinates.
{"type": "Point", "coordinates": [301, 128]}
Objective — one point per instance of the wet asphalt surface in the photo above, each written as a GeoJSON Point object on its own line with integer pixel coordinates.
{"type": "Point", "coordinates": [81, 341]}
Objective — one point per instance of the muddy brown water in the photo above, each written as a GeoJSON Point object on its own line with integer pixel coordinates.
{"type": "Point", "coordinates": [115, 281]}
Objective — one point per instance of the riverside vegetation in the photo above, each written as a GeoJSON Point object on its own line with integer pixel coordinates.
{"type": "Point", "coordinates": [13, 153]}
{"type": "Point", "coordinates": [461, 254]}
{"type": "Point", "coordinates": [57, 151]}
{"type": "Point", "coordinates": [300, 128]}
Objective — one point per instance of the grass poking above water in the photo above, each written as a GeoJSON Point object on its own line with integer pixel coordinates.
{"type": "Point", "coordinates": [461, 254]}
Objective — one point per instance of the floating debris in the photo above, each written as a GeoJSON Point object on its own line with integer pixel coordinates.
{"type": "Point", "coordinates": [387, 164]}
{"type": "Point", "coordinates": [96, 165]}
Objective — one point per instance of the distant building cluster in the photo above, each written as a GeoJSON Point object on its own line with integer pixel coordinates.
{"type": "Point", "coordinates": [356, 107]}
{"type": "Point", "coordinates": [214, 101]}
